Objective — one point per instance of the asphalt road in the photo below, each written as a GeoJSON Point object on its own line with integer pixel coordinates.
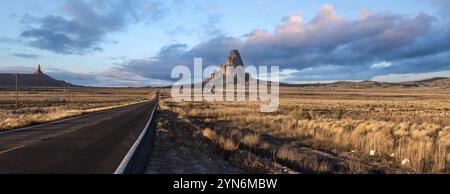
{"type": "Point", "coordinates": [94, 143]}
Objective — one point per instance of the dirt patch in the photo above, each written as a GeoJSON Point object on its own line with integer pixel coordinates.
{"type": "Point", "coordinates": [177, 150]}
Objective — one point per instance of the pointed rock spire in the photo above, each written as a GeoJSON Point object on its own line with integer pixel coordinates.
{"type": "Point", "coordinates": [234, 59]}
{"type": "Point", "coordinates": [38, 71]}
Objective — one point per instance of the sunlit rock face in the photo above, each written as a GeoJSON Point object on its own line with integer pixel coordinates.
{"type": "Point", "coordinates": [233, 60]}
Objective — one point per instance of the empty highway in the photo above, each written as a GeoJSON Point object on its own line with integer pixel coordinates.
{"type": "Point", "coordinates": [93, 143]}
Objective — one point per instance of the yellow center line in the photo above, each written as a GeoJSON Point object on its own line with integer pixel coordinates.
{"type": "Point", "coordinates": [12, 149]}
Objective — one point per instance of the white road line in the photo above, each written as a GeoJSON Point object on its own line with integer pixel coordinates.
{"type": "Point", "coordinates": [125, 162]}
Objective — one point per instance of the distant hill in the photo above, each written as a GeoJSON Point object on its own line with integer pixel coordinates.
{"type": "Point", "coordinates": [36, 80]}
{"type": "Point", "coordinates": [437, 82]}
{"type": "Point", "coordinates": [362, 84]}
{"type": "Point", "coordinates": [441, 82]}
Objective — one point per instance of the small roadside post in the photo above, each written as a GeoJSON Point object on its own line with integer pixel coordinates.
{"type": "Point", "coordinates": [17, 91]}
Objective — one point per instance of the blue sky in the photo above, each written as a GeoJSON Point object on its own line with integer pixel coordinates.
{"type": "Point", "coordinates": [137, 43]}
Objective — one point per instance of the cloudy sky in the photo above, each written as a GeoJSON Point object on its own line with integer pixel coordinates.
{"type": "Point", "coordinates": [137, 43]}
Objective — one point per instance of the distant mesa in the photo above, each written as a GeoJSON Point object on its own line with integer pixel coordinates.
{"type": "Point", "coordinates": [36, 80]}
{"type": "Point", "coordinates": [436, 82]}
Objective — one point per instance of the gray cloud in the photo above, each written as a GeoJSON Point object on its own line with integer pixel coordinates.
{"type": "Point", "coordinates": [213, 52]}
{"type": "Point", "coordinates": [213, 25]}
{"type": "Point", "coordinates": [85, 79]}
{"type": "Point", "coordinates": [9, 41]}
{"type": "Point", "coordinates": [443, 6]}
{"type": "Point", "coordinates": [27, 56]}
{"type": "Point", "coordinates": [84, 24]}
{"type": "Point", "coordinates": [108, 78]}
{"type": "Point", "coordinates": [348, 47]}
{"type": "Point", "coordinates": [16, 69]}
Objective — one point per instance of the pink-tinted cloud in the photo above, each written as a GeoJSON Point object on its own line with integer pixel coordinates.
{"type": "Point", "coordinates": [328, 39]}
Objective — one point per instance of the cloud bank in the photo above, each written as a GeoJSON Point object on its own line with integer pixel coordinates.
{"type": "Point", "coordinates": [84, 24]}
{"type": "Point", "coordinates": [329, 46]}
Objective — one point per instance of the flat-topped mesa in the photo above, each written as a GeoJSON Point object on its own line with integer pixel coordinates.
{"type": "Point", "coordinates": [37, 79]}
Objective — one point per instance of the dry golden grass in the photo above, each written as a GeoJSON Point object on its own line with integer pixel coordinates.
{"type": "Point", "coordinates": [49, 105]}
{"type": "Point", "coordinates": [407, 129]}
{"type": "Point", "coordinates": [209, 133]}
{"type": "Point", "coordinates": [251, 140]}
